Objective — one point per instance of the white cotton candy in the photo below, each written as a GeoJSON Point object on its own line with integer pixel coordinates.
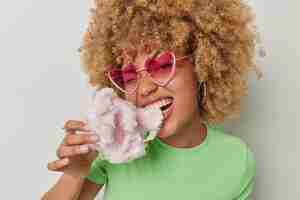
{"type": "Point", "coordinates": [121, 126]}
{"type": "Point", "coordinates": [150, 119]}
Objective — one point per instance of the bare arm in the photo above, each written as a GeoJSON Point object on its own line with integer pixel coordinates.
{"type": "Point", "coordinates": [75, 158]}
{"type": "Point", "coordinates": [66, 188]}
{"type": "Point", "coordinates": [77, 189]}
{"type": "Point", "coordinates": [89, 190]}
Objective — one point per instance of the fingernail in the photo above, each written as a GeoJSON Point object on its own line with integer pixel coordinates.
{"type": "Point", "coordinates": [94, 138]}
{"type": "Point", "coordinates": [65, 161]}
{"type": "Point", "coordinates": [83, 132]}
{"type": "Point", "coordinates": [84, 149]}
{"type": "Point", "coordinates": [93, 147]}
{"type": "Point", "coordinates": [86, 127]}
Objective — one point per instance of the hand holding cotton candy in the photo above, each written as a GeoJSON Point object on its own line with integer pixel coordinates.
{"type": "Point", "coordinates": [121, 126]}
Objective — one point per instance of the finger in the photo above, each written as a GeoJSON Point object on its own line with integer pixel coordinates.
{"type": "Point", "coordinates": [92, 155]}
{"type": "Point", "coordinates": [75, 125]}
{"type": "Point", "coordinates": [94, 147]}
{"type": "Point", "coordinates": [69, 151]}
{"type": "Point", "coordinates": [58, 164]}
{"type": "Point", "coordinates": [81, 139]}
{"type": "Point", "coordinates": [89, 138]}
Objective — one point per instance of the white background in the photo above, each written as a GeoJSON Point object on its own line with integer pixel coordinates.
{"type": "Point", "coordinates": [42, 86]}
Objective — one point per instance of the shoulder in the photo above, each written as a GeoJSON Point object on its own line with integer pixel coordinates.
{"type": "Point", "coordinates": [227, 142]}
{"type": "Point", "coordinates": [240, 157]}
{"type": "Point", "coordinates": [98, 171]}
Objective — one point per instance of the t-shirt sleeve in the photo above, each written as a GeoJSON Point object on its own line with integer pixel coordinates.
{"type": "Point", "coordinates": [97, 173]}
{"type": "Point", "coordinates": [248, 179]}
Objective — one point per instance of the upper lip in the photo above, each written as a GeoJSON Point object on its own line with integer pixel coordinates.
{"type": "Point", "coordinates": [150, 102]}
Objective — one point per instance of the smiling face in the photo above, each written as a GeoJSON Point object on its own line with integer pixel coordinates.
{"type": "Point", "coordinates": [181, 90]}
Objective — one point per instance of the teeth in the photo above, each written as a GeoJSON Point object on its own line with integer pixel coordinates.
{"type": "Point", "coordinates": [160, 103]}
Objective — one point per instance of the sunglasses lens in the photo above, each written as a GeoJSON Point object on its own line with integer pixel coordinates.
{"type": "Point", "coordinates": [125, 79]}
{"type": "Point", "coordinates": [161, 68]}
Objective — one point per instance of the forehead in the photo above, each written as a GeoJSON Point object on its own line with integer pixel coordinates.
{"type": "Point", "coordinates": [138, 57]}
{"type": "Point", "coordinates": [130, 49]}
{"type": "Point", "coordinates": [137, 53]}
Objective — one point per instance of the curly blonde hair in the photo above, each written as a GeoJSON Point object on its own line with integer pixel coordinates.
{"type": "Point", "coordinates": [218, 33]}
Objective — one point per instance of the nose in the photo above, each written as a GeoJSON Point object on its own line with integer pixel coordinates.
{"type": "Point", "coordinates": [145, 85]}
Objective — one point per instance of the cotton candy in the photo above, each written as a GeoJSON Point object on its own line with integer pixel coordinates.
{"type": "Point", "coordinates": [123, 128]}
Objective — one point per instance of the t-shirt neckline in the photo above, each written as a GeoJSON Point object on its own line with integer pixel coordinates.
{"type": "Point", "coordinates": [200, 146]}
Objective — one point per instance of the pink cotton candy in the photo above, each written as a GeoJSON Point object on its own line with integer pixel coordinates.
{"type": "Point", "coordinates": [121, 126]}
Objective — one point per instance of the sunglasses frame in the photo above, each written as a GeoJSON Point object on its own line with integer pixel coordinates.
{"type": "Point", "coordinates": [107, 73]}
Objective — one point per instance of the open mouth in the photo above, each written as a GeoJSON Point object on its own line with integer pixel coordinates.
{"type": "Point", "coordinates": [165, 107]}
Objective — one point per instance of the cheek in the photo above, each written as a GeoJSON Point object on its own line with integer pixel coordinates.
{"type": "Point", "coordinates": [184, 82]}
{"type": "Point", "coordinates": [185, 90]}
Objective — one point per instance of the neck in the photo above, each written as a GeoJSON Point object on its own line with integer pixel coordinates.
{"type": "Point", "coordinates": [189, 136]}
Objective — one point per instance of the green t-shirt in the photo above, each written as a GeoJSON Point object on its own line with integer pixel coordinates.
{"type": "Point", "coordinates": [222, 167]}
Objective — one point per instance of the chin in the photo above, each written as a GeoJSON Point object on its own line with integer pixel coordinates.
{"type": "Point", "coordinates": [161, 133]}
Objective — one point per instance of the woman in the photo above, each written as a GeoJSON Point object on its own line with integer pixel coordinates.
{"type": "Point", "coordinates": [191, 59]}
